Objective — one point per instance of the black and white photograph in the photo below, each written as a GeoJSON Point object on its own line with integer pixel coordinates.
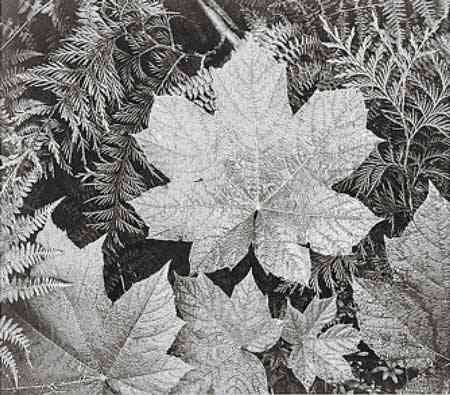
{"type": "Point", "coordinates": [214, 197]}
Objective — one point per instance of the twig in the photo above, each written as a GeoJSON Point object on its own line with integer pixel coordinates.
{"type": "Point", "coordinates": [24, 25]}
{"type": "Point", "coordinates": [221, 21]}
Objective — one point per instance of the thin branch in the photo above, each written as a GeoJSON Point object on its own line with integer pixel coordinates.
{"type": "Point", "coordinates": [24, 25]}
{"type": "Point", "coordinates": [221, 21]}
{"type": "Point", "coordinates": [169, 73]}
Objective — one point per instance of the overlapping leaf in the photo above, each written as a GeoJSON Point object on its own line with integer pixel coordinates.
{"type": "Point", "coordinates": [315, 353]}
{"type": "Point", "coordinates": [221, 333]}
{"type": "Point", "coordinates": [420, 293]}
{"type": "Point", "coordinates": [386, 335]}
{"type": "Point", "coordinates": [82, 344]}
{"type": "Point", "coordinates": [255, 173]}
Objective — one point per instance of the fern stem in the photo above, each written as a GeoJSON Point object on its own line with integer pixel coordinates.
{"type": "Point", "coordinates": [158, 45]}
{"type": "Point", "coordinates": [24, 25]}
{"type": "Point", "coordinates": [404, 77]}
{"type": "Point", "coordinates": [169, 73]}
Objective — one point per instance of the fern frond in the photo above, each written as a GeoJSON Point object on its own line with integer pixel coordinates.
{"type": "Point", "coordinates": [16, 187]}
{"type": "Point", "coordinates": [395, 16]}
{"type": "Point", "coordinates": [288, 44]}
{"type": "Point", "coordinates": [117, 221]}
{"type": "Point", "coordinates": [430, 101]}
{"type": "Point", "coordinates": [90, 73]}
{"type": "Point", "coordinates": [389, 203]}
{"type": "Point", "coordinates": [7, 359]}
{"type": "Point", "coordinates": [20, 257]}
{"type": "Point", "coordinates": [289, 287]}
{"type": "Point", "coordinates": [119, 10]}
{"type": "Point", "coordinates": [369, 175]}
{"type": "Point", "coordinates": [36, 132]}
{"type": "Point", "coordinates": [18, 56]}
{"type": "Point", "coordinates": [303, 14]}
{"type": "Point", "coordinates": [26, 110]}
{"type": "Point", "coordinates": [332, 270]}
{"type": "Point", "coordinates": [15, 60]}
{"type": "Point", "coordinates": [135, 112]}
{"type": "Point", "coordinates": [29, 287]}
{"type": "Point", "coordinates": [84, 79]}
{"type": "Point", "coordinates": [198, 89]}
{"type": "Point", "coordinates": [12, 333]}
{"type": "Point", "coordinates": [425, 9]}
{"type": "Point", "coordinates": [26, 225]}
{"type": "Point", "coordinates": [11, 78]}
{"type": "Point", "coordinates": [303, 54]}
{"type": "Point", "coordinates": [385, 71]}
{"type": "Point", "coordinates": [303, 80]}
{"type": "Point", "coordinates": [117, 181]}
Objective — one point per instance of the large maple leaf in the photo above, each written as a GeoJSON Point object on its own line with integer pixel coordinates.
{"type": "Point", "coordinates": [316, 353]}
{"type": "Point", "coordinates": [83, 344]}
{"type": "Point", "coordinates": [419, 295]}
{"type": "Point", "coordinates": [255, 173]}
{"type": "Point", "coordinates": [220, 334]}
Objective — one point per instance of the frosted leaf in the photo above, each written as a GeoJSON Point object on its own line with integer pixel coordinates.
{"type": "Point", "coordinates": [386, 335]}
{"type": "Point", "coordinates": [315, 354]}
{"type": "Point", "coordinates": [419, 296]}
{"type": "Point", "coordinates": [220, 334]}
{"type": "Point", "coordinates": [255, 173]}
{"type": "Point", "coordinates": [84, 344]}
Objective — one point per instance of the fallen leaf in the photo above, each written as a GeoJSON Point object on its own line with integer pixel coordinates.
{"type": "Point", "coordinates": [386, 335]}
{"type": "Point", "coordinates": [419, 295]}
{"type": "Point", "coordinates": [254, 173]}
{"type": "Point", "coordinates": [316, 354]}
{"type": "Point", "coordinates": [220, 335]}
{"type": "Point", "coordinates": [83, 344]}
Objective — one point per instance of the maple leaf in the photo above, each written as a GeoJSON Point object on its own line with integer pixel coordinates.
{"type": "Point", "coordinates": [83, 344]}
{"type": "Point", "coordinates": [386, 335]}
{"type": "Point", "coordinates": [419, 295]}
{"type": "Point", "coordinates": [254, 173]}
{"type": "Point", "coordinates": [220, 334]}
{"type": "Point", "coordinates": [315, 353]}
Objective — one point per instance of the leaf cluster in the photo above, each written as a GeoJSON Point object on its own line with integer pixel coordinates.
{"type": "Point", "coordinates": [93, 92]}
{"type": "Point", "coordinates": [101, 85]}
{"type": "Point", "coordinates": [18, 255]}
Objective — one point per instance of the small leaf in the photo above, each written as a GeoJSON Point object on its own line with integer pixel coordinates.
{"type": "Point", "coordinates": [316, 354]}
{"type": "Point", "coordinates": [220, 333]}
